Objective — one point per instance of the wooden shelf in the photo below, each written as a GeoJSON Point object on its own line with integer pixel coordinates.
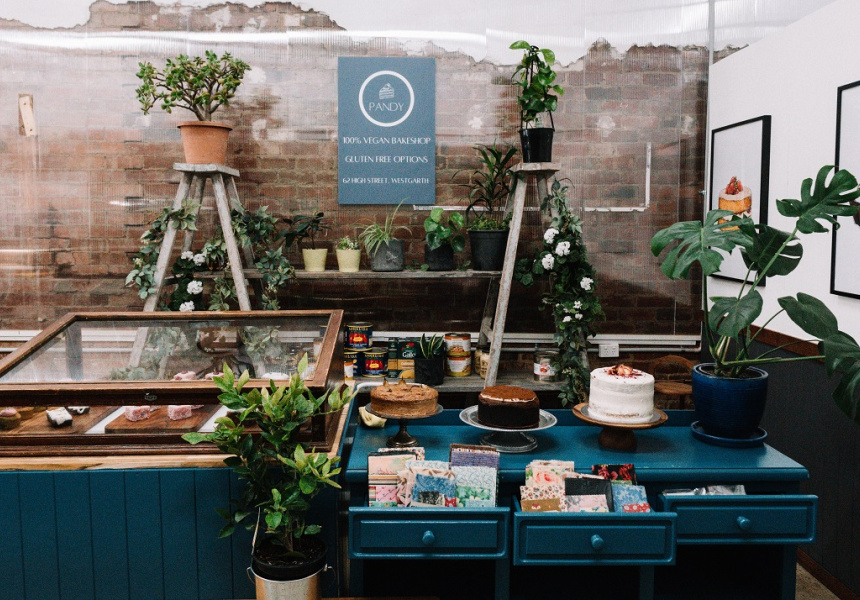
{"type": "Point", "coordinates": [326, 275]}
{"type": "Point", "coordinates": [474, 383]}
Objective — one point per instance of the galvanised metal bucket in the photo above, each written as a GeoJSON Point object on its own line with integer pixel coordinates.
{"type": "Point", "coordinates": [308, 588]}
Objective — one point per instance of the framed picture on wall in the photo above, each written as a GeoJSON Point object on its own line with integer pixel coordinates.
{"type": "Point", "coordinates": [740, 172]}
{"type": "Point", "coordinates": [844, 274]}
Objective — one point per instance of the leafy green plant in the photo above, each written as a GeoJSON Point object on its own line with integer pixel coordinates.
{"type": "Point", "coordinates": [572, 294]}
{"type": "Point", "coordinates": [489, 187]}
{"type": "Point", "coordinates": [431, 347]}
{"type": "Point", "coordinates": [347, 243]}
{"type": "Point", "coordinates": [305, 226]}
{"type": "Point", "coordinates": [768, 252]}
{"type": "Point", "coordinates": [282, 477]}
{"type": "Point", "coordinates": [199, 84]}
{"type": "Point", "coordinates": [438, 231]}
{"type": "Point", "coordinates": [534, 75]}
{"type": "Point", "coordinates": [375, 235]}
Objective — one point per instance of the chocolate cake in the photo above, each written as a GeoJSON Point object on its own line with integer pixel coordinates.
{"type": "Point", "coordinates": [508, 407]}
{"type": "Point", "coordinates": [403, 400]}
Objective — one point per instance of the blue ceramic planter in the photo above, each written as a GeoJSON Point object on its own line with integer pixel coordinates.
{"type": "Point", "coordinates": [729, 407]}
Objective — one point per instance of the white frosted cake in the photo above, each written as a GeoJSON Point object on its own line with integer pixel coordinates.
{"type": "Point", "coordinates": [621, 394]}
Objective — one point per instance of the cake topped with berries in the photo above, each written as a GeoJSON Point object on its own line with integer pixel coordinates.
{"type": "Point", "coordinates": [621, 394]}
{"type": "Point", "coordinates": [736, 198]}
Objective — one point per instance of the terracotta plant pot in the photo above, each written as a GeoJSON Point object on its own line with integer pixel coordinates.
{"type": "Point", "coordinates": [204, 142]}
{"type": "Point", "coordinates": [314, 259]}
{"type": "Point", "coordinates": [348, 261]}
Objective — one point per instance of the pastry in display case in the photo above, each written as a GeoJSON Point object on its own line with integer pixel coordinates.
{"type": "Point", "coordinates": [98, 383]}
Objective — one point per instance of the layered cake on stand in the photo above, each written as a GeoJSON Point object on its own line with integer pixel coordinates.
{"type": "Point", "coordinates": [403, 402]}
{"type": "Point", "coordinates": [508, 407]}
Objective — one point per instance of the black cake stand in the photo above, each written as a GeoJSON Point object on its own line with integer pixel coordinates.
{"type": "Point", "coordinates": [512, 441]}
{"type": "Point", "coordinates": [402, 439]}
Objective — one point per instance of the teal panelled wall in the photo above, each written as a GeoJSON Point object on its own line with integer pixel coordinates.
{"type": "Point", "coordinates": [136, 534]}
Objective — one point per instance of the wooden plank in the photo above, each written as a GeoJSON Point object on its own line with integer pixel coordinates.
{"type": "Point", "coordinates": [39, 537]}
{"type": "Point", "coordinates": [143, 522]}
{"type": "Point", "coordinates": [252, 274]}
{"type": "Point", "coordinates": [207, 168]}
{"type": "Point", "coordinates": [198, 182]}
{"type": "Point", "coordinates": [240, 542]}
{"type": "Point", "coordinates": [485, 335]}
{"type": "Point", "coordinates": [179, 532]}
{"type": "Point", "coordinates": [26, 115]}
{"type": "Point", "coordinates": [39, 423]}
{"type": "Point", "coordinates": [230, 241]}
{"type": "Point", "coordinates": [110, 538]}
{"type": "Point", "coordinates": [11, 565]}
{"type": "Point", "coordinates": [247, 250]}
{"type": "Point", "coordinates": [214, 554]}
{"type": "Point", "coordinates": [74, 535]}
{"type": "Point", "coordinates": [159, 422]}
{"type": "Point", "coordinates": [536, 168]}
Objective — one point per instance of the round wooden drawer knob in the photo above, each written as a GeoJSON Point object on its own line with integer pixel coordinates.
{"type": "Point", "coordinates": [428, 538]}
{"type": "Point", "coordinates": [597, 542]}
{"type": "Point", "coordinates": [744, 524]}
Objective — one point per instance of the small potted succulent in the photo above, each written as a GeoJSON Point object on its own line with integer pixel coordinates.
{"type": "Point", "coordinates": [729, 394]}
{"type": "Point", "coordinates": [442, 239]}
{"type": "Point", "coordinates": [384, 250]}
{"type": "Point", "coordinates": [201, 85]}
{"type": "Point", "coordinates": [489, 187]}
{"type": "Point", "coordinates": [348, 253]}
{"type": "Point", "coordinates": [307, 226]}
{"type": "Point", "coordinates": [282, 478]}
{"type": "Point", "coordinates": [430, 364]}
{"type": "Point", "coordinates": [537, 99]}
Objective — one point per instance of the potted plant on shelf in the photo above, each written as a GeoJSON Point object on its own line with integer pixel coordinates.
{"type": "Point", "coordinates": [729, 394]}
{"type": "Point", "coordinates": [282, 478]}
{"type": "Point", "coordinates": [537, 99]}
{"type": "Point", "coordinates": [489, 187]}
{"type": "Point", "coordinates": [307, 226]}
{"type": "Point", "coordinates": [430, 365]}
{"type": "Point", "coordinates": [384, 250]}
{"type": "Point", "coordinates": [348, 255]}
{"type": "Point", "coordinates": [442, 239]}
{"type": "Point", "coordinates": [572, 293]}
{"type": "Point", "coordinates": [201, 85]}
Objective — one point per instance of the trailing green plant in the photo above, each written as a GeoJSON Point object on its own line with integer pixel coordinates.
{"type": "Point", "coordinates": [305, 226]}
{"type": "Point", "coordinates": [431, 347]}
{"type": "Point", "coordinates": [199, 84]}
{"type": "Point", "coordinates": [768, 252]}
{"type": "Point", "coordinates": [347, 243]}
{"type": "Point", "coordinates": [438, 231]}
{"type": "Point", "coordinates": [489, 187]}
{"type": "Point", "coordinates": [538, 93]}
{"type": "Point", "coordinates": [572, 293]}
{"type": "Point", "coordinates": [375, 235]}
{"type": "Point", "coordinates": [282, 477]}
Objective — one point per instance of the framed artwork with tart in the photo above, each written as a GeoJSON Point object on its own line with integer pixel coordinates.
{"type": "Point", "coordinates": [844, 274]}
{"type": "Point", "coordinates": [739, 180]}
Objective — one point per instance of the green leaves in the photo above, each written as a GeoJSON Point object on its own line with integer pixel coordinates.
{"type": "Point", "coordinates": [535, 76]}
{"type": "Point", "coordinates": [772, 251]}
{"type": "Point", "coordinates": [825, 202]}
{"type": "Point", "coordinates": [810, 314]}
{"type": "Point", "coordinates": [438, 233]}
{"type": "Point", "coordinates": [728, 316]}
{"type": "Point", "coordinates": [842, 355]}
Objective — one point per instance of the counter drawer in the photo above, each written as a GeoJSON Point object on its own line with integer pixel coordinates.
{"type": "Point", "coordinates": [771, 519]}
{"type": "Point", "coordinates": [594, 538]}
{"type": "Point", "coordinates": [428, 532]}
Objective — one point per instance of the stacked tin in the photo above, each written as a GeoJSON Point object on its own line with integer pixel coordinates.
{"type": "Point", "coordinates": [357, 340]}
{"type": "Point", "coordinates": [458, 354]}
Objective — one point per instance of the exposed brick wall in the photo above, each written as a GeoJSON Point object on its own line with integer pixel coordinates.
{"type": "Point", "coordinates": [74, 199]}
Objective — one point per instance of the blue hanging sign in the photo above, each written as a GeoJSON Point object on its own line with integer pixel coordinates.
{"type": "Point", "coordinates": [386, 130]}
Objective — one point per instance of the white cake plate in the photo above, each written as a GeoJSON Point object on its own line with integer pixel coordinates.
{"type": "Point", "coordinates": [511, 441]}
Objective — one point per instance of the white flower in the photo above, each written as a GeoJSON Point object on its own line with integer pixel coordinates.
{"type": "Point", "coordinates": [187, 255]}
{"type": "Point", "coordinates": [199, 259]}
{"type": "Point", "coordinates": [577, 305]}
{"type": "Point", "coordinates": [563, 248]}
{"type": "Point", "coordinates": [586, 283]}
{"type": "Point", "coordinates": [194, 287]}
{"type": "Point", "coordinates": [548, 261]}
{"type": "Point", "coordinates": [186, 307]}
{"type": "Point", "coordinates": [578, 316]}
{"type": "Point", "coordinates": [550, 234]}
{"type": "Point", "coordinates": [566, 319]}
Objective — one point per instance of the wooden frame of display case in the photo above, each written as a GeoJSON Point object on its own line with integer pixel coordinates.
{"type": "Point", "coordinates": [319, 434]}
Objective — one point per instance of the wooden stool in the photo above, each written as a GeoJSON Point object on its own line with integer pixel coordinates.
{"type": "Point", "coordinates": [672, 382]}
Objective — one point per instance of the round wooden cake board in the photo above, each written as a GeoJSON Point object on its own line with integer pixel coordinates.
{"type": "Point", "coordinates": [402, 439]}
{"type": "Point", "coordinates": [619, 436]}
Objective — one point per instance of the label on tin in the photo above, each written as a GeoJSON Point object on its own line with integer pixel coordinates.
{"type": "Point", "coordinates": [407, 348]}
{"type": "Point", "coordinates": [458, 343]}
{"type": "Point", "coordinates": [458, 366]}
{"type": "Point", "coordinates": [348, 370]}
{"type": "Point", "coordinates": [544, 368]}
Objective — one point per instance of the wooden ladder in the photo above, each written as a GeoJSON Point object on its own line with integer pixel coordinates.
{"type": "Point", "coordinates": [493, 322]}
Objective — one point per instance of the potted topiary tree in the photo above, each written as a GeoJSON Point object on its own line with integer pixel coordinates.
{"type": "Point", "coordinates": [442, 239]}
{"type": "Point", "coordinates": [201, 85]}
{"type": "Point", "coordinates": [307, 226]}
{"type": "Point", "coordinates": [537, 99]}
{"type": "Point", "coordinates": [282, 478]}
{"type": "Point", "coordinates": [489, 187]}
{"type": "Point", "coordinates": [384, 250]}
{"type": "Point", "coordinates": [729, 393]}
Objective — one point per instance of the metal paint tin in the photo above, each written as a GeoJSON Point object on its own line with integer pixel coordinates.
{"type": "Point", "coordinates": [376, 362]}
{"type": "Point", "coordinates": [458, 365]}
{"type": "Point", "coordinates": [544, 365]}
{"type": "Point", "coordinates": [357, 359]}
{"type": "Point", "coordinates": [458, 343]}
{"type": "Point", "coordinates": [359, 336]}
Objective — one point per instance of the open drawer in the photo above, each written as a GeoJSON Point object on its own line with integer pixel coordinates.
{"type": "Point", "coordinates": [753, 519]}
{"type": "Point", "coordinates": [428, 532]}
{"type": "Point", "coordinates": [593, 538]}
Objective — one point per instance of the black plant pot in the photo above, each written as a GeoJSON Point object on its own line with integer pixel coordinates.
{"type": "Point", "coordinates": [488, 249]}
{"type": "Point", "coordinates": [430, 371]}
{"type": "Point", "coordinates": [440, 259]}
{"type": "Point", "coordinates": [537, 144]}
{"type": "Point", "coordinates": [388, 257]}
{"type": "Point", "coordinates": [288, 569]}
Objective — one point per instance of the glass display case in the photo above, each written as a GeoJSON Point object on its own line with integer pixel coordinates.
{"type": "Point", "coordinates": [96, 383]}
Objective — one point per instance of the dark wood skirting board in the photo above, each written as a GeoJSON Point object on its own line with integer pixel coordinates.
{"type": "Point", "coordinates": [839, 589]}
{"type": "Point", "coordinates": [795, 345]}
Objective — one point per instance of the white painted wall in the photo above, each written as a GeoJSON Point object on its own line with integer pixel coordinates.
{"type": "Point", "coordinates": [793, 76]}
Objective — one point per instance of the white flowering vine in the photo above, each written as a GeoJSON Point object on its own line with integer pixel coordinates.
{"type": "Point", "coordinates": [548, 261]}
{"type": "Point", "coordinates": [563, 249]}
{"type": "Point", "coordinates": [186, 307]}
{"type": "Point", "coordinates": [187, 255]}
{"type": "Point", "coordinates": [549, 235]}
{"type": "Point", "coordinates": [585, 283]}
{"type": "Point", "coordinates": [567, 319]}
{"type": "Point", "coordinates": [194, 287]}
